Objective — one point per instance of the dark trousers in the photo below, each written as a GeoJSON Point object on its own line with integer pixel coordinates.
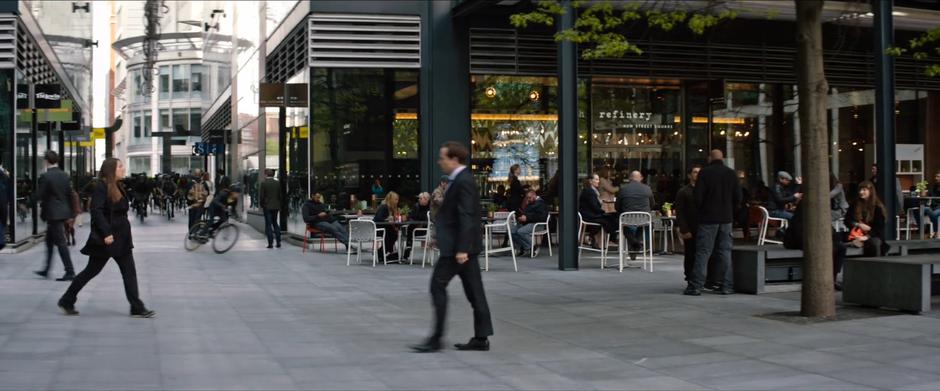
{"type": "Point", "coordinates": [838, 255]}
{"type": "Point", "coordinates": [55, 237]}
{"type": "Point", "coordinates": [95, 264]}
{"type": "Point", "coordinates": [713, 274]}
{"type": "Point", "coordinates": [195, 214]}
{"type": "Point", "coordinates": [272, 228]}
{"type": "Point", "coordinates": [873, 247]}
{"type": "Point", "coordinates": [713, 240]}
{"type": "Point", "coordinates": [444, 270]}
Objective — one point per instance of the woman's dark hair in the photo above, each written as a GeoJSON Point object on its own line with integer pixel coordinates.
{"type": "Point", "coordinates": [865, 209]}
{"type": "Point", "coordinates": [512, 172]}
{"type": "Point", "coordinates": [108, 175]}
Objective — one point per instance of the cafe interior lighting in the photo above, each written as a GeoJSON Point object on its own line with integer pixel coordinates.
{"type": "Point", "coordinates": [554, 117]}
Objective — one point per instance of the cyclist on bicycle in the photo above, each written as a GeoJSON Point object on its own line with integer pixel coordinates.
{"type": "Point", "coordinates": [224, 200]}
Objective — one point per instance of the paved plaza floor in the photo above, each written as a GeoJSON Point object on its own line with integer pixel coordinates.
{"type": "Point", "coordinates": [278, 319]}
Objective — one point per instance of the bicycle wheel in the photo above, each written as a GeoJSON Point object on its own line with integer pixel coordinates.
{"type": "Point", "coordinates": [194, 238]}
{"type": "Point", "coordinates": [225, 238]}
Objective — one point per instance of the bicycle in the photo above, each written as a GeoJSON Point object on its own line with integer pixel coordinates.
{"type": "Point", "coordinates": [223, 238]}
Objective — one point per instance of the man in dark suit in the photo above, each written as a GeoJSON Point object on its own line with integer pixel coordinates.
{"type": "Point", "coordinates": [271, 204]}
{"type": "Point", "coordinates": [55, 194]}
{"type": "Point", "coordinates": [459, 241]}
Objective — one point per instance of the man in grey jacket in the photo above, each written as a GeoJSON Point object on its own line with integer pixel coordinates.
{"type": "Point", "coordinates": [55, 194]}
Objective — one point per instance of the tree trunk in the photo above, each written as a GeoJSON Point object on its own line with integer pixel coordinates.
{"type": "Point", "coordinates": [817, 295]}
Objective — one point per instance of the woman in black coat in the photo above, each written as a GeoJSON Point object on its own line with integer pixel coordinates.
{"type": "Point", "coordinates": [516, 192]}
{"type": "Point", "coordinates": [866, 221]}
{"type": "Point", "coordinates": [110, 237]}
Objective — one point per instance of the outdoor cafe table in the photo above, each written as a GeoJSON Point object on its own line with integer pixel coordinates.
{"type": "Point", "coordinates": [921, 200]}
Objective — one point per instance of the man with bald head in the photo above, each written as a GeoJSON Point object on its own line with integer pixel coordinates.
{"type": "Point", "coordinates": [717, 194]}
{"type": "Point", "coordinates": [634, 196]}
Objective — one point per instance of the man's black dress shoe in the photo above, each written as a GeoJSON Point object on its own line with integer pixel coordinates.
{"type": "Point", "coordinates": [428, 346]}
{"type": "Point", "coordinates": [477, 344]}
{"type": "Point", "coordinates": [68, 309]}
{"type": "Point", "coordinates": [66, 277]}
{"type": "Point", "coordinates": [725, 291]}
{"type": "Point", "coordinates": [42, 274]}
{"type": "Point", "coordinates": [692, 291]}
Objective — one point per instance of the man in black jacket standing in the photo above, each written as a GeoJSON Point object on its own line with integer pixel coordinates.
{"type": "Point", "coordinates": [687, 220]}
{"type": "Point", "coordinates": [55, 193]}
{"type": "Point", "coordinates": [459, 241]}
{"type": "Point", "coordinates": [717, 194]}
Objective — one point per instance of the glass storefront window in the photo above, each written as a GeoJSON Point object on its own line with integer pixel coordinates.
{"type": "Point", "coordinates": [195, 120]}
{"type": "Point", "coordinates": [358, 117]}
{"type": "Point", "coordinates": [513, 120]}
{"type": "Point", "coordinates": [136, 125]}
{"type": "Point", "coordinates": [636, 125]}
{"type": "Point", "coordinates": [180, 119]}
{"type": "Point", "coordinates": [298, 184]}
{"type": "Point", "coordinates": [148, 124]}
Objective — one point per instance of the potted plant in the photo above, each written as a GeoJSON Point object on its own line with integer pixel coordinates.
{"type": "Point", "coordinates": [491, 210]}
{"type": "Point", "coordinates": [922, 188]}
{"type": "Point", "coordinates": [667, 209]}
{"type": "Point", "coordinates": [404, 211]}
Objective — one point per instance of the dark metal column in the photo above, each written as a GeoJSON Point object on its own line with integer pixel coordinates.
{"type": "Point", "coordinates": [282, 164]}
{"type": "Point", "coordinates": [568, 145]}
{"type": "Point", "coordinates": [883, 30]}
{"type": "Point", "coordinates": [166, 161]}
{"type": "Point", "coordinates": [33, 167]}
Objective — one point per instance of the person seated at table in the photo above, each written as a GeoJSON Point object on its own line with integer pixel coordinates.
{"type": "Point", "coordinates": [534, 211]}
{"type": "Point", "coordinates": [499, 197]}
{"type": "Point", "coordinates": [388, 212]}
{"type": "Point", "coordinates": [865, 220]}
{"type": "Point", "coordinates": [592, 211]}
{"type": "Point", "coordinates": [437, 196]}
{"type": "Point", "coordinates": [315, 215]}
{"type": "Point", "coordinates": [931, 209]}
{"type": "Point", "coordinates": [634, 196]}
{"type": "Point", "coordinates": [784, 196]}
{"type": "Point", "coordinates": [418, 216]}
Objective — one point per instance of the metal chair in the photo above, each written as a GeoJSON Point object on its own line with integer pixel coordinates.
{"type": "Point", "coordinates": [502, 226]}
{"type": "Point", "coordinates": [582, 232]}
{"type": "Point", "coordinates": [420, 235]}
{"type": "Point", "coordinates": [314, 232]}
{"type": "Point", "coordinates": [643, 222]}
{"type": "Point", "coordinates": [765, 222]}
{"type": "Point", "coordinates": [541, 229]}
{"type": "Point", "coordinates": [364, 231]}
{"type": "Point", "coordinates": [908, 227]}
{"type": "Point", "coordinates": [664, 227]}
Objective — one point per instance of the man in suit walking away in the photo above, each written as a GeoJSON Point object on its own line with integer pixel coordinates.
{"type": "Point", "coordinates": [717, 194]}
{"type": "Point", "coordinates": [55, 194]}
{"type": "Point", "coordinates": [271, 203]}
{"type": "Point", "coordinates": [459, 241]}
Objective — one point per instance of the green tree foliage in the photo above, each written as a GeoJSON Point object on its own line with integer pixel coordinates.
{"type": "Point", "coordinates": [601, 23]}
{"type": "Point", "coordinates": [922, 48]}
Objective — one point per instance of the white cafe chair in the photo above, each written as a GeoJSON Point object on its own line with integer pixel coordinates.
{"type": "Point", "coordinates": [364, 231]}
{"type": "Point", "coordinates": [502, 225]}
{"type": "Point", "coordinates": [582, 233]}
{"type": "Point", "coordinates": [643, 222]}
{"type": "Point", "coordinates": [423, 236]}
{"type": "Point", "coordinates": [541, 229]}
{"type": "Point", "coordinates": [765, 222]}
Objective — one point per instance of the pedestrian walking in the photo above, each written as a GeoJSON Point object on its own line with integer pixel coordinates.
{"type": "Point", "coordinates": [55, 194]}
{"type": "Point", "coordinates": [109, 237]}
{"type": "Point", "coordinates": [459, 240]}
{"type": "Point", "coordinates": [717, 195]}
{"type": "Point", "coordinates": [271, 204]}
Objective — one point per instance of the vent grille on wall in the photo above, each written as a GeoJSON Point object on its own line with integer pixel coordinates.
{"type": "Point", "coordinates": [7, 41]}
{"type": "Point", "coordinates": [504, 51]}
{"type": "Point", "coordinates": [365, 41]}
{"type": "Point", "coordinates": [31, 61]}
{"type": "Point", "coordinates": [288, 58]}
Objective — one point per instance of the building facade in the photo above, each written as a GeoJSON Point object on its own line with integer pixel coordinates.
{"type": "Point", "coordinates": [45, 67]}
{"type": "Point", "coordinates": [389, 81]}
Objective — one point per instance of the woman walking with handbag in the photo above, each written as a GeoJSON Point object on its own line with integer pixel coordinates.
{"type": "Point", "coordinates": [110, 237]}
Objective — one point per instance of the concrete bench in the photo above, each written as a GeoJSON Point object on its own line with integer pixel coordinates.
{"type": "Point", "coordinates": [902, 283]}
{"type": "Point", "coordinates": [754, 267]}
{"type": "Point", "coordinates": [908, 247]}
